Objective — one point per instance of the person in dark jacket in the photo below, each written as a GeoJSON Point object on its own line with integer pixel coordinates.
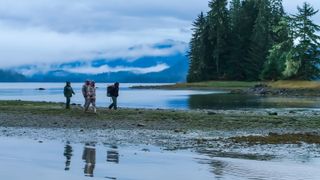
{"type": "Point", "coordinates": [68, 92]}
{"type": "Point", "coordinates": [114, 95]}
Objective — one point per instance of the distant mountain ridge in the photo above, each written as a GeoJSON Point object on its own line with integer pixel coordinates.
{"type": "Point", "coordinates": [169, 64]}
{"type": "Point", "coordinates": [176, 71]}
{"type": "Point", "coordinates": [11, 76]}
{"type": "Point", "coordinates": [160, 68]}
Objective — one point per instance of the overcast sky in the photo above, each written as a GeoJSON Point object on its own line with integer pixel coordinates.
{"type": "Point", "coordinates": [53, 31]}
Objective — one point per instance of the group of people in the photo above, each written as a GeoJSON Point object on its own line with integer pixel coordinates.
{"type": "Point", "coordinates": [89, 95]}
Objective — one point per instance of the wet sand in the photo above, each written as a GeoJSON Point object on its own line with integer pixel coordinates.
{"type": "Point", "coordinates": [158, 123]}
{"type": "Point", "coordinates": [53, 115]}
{"type": "Point", "coordinates": [245, 134]}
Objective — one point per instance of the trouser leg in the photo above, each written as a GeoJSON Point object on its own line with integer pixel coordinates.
{"type": "Point", "coordinates": [111, 105]}
{"type": "Point", "coordinates": [93, 101]}
{"type": "Point", "coordinates": [87, 104]}
{"type": "Point", "coordinates": [68, 99]}
{"type": "Point", "coordinates": [115, 105]}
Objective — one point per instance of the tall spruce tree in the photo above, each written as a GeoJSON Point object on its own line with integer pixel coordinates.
{"type": "Point", "coordinates": [249, 13]}
{"type": "Point", "coordinates": [281, 43]}
{"type": "Point", "coordinates": [306, 52]}
{"type": "Point", "coordinates": [234, 70]}
{"type": "Point", "coordinates": [279, 53]}
{"type": "Point", "coordinates": [260, 40]}
{"type": "Point", "coordinates": [195, 55]}
{"type": "Point", "coordinates": [218, 19]}
{"type": "Point", "coordinates": [277, 15]}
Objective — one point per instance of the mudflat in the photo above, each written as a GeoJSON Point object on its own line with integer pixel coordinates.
{"type": "Point", "coordinates": [219, 130]}
{"type": "Point", "coordinates": [53, 115]}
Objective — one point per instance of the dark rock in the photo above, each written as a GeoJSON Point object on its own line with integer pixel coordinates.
{"type": "Point", "coordinates": [211, 113]}
{"type": "Point", "coordinates": [40, 89]}
{"type": "Point", "coordinates": [141, 125]}
{"type": "Point", "coordinates": [40, 141]}
{"type": "Point", "coordinates": [81, 130]}
{"type": "Point", "coordinates": [180, 131]}
{"type": "Point", "coordinates": [273, 113]}
{"type": "Point", "coordinates": [273, 134]}
{"type": "Point", "coordinates": [145, 150]}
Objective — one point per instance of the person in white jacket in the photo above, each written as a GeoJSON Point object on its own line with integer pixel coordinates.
{"type": "Point", "coordinates": [91, 97]}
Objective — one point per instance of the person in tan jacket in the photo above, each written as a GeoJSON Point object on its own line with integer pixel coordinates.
{"type": "Point", "coordinates": [91, 97]}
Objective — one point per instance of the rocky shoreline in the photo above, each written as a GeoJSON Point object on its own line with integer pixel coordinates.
{"type": "Point", "coordinates": [265, 90]}
{"type": "Point", "coordinates": [53, 115]}
{"type": "Point", "coordinates": [225, 133]}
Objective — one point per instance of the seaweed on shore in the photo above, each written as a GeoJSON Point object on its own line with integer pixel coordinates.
{"type": "Point", "coordinates": [275, 138]}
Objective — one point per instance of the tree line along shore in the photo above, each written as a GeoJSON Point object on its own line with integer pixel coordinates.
{"type": "Point", "coordinates": [253, 40]}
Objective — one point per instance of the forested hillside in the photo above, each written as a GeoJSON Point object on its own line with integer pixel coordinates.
{"type": "Point", "coordinates": [251, 40]}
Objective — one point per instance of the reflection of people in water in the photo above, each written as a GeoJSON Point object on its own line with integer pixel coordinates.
{"type": "Point", "coordinates": [89, 156]}
{"type": "Point", "coordinates": [113, 156]}
{"type": "Point", "coordinates": [68, 154]}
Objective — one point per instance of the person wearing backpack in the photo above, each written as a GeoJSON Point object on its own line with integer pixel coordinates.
{"type": "Point", "coordinates": [113, 92]}
{"type": "Point", "coordinates": [68, 92]}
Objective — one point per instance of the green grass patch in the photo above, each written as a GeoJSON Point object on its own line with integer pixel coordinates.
{"type": "Point", "coordinates": [223, 85]}
{"type": "Point", "coordinates": [295, 85]}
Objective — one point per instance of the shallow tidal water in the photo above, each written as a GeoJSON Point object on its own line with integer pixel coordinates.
{"type": "Point", "coordinates": [24, 159]}
{"type": "Point", "coordinates": [155, 98]}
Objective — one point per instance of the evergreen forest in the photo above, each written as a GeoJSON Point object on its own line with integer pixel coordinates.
{"type": "Point", "coordinates": [252, 40]}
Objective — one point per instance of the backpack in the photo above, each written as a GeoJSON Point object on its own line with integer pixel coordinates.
{"type": "Point", "coordinates": [109, 90]}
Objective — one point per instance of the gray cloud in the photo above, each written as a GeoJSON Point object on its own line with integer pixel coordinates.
{"type": "Point", "coordinates": [54, 31]}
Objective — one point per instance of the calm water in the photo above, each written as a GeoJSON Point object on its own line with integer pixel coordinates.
{"type": "Point", "coordinates": [134, 98]}
{"type": "Point", "coordinates": [25, 159]}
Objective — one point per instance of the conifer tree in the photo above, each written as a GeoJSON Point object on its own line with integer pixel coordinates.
{"type": "Point", "coordinates": [279, 53]}
{"type": "Point", "coordinates": [234, 65]}
{"type": "Point", "coordinates": [306, 51]}
{"type": "Point", "coordinates": [260, 41]}
{"type": "Point", "coordinates": [218, 19]}
{"type": "Point", "coordinates": [195, 53]}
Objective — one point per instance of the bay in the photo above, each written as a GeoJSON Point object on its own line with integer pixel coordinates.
{"type": "Point", "coordinates": [155, 98]}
